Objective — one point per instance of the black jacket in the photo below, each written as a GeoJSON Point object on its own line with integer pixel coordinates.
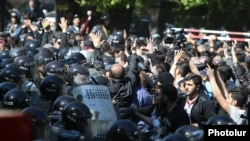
{"type": "Point", "coordinates": [241, 74]}
{"type": "Point", "coordinates": [120, 89]}
{"type": "Point", "coordinates": [202, 110]}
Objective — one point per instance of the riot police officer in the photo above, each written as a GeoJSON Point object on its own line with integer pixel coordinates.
{"type": "Point", "coordinates": [5, 87]}
{"type": "Point", "coordinates": [27, 64]}
{"type": "Point", "coordinates": [58, 107]}
{"type": "Point", "coordinates": [76, 75]}
{"type": "Point", "coordinates": [220, 120]}
{"type": "Point", "coordinates": [74, 117]}
{"type": "Point", "coordinates": [15, 99]}
{"type": "Point", "coordinates": [123, 130]}
{"type": "Point", "coordinates": [13, 74]}
{"type": "Point", "coordinates": [41, 59]}
{"type": "Point", "coordinates": [55, 68]}
{"type": "Point", "coordinates": [39, 122]}
{"type": "Point", "coordinates": [192, 132]}
{"type": "Point", "coordinates": [51, 87]}
{"type": "Point", "coordinates": [14, 22]}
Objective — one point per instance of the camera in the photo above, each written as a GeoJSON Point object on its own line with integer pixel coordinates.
{"type": "Point", "coordinates": [175, 37]}
{"type": "Point", "coordinates": [204, 65]}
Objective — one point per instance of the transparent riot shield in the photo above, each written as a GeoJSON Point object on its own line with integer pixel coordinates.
{"type": "Point", "coordinates": [98, 99]}
{"type": "Point", "coordinates": [35, 72]}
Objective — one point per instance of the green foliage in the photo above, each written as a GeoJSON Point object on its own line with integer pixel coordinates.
{"type": "Point", "coordinates": [105, 5]}
{"type": "Point", "coordinates": [188, 4]}
{"type": "Point", "coordinates": [231, 14]}
{"type": "Point", "coordinates": [212, 13]}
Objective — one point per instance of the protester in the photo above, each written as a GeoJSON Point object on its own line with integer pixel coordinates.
{"type": "Point", "coordinates": [160, 83]}
{"type": "Point", "coordinates": [233, 101]}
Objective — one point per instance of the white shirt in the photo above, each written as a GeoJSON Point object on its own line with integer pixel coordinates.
{"type": "Point", "coordinates": [235, 114]}
{"type": "Point", "coordinates": [189, 105]}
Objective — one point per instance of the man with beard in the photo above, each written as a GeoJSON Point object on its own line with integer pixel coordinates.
{"type": "Point", "coordinates": [198, 106]}
{"type": "Point", "coordinates": [165, 114]}
{"type": "Point", "coordinates": [170, 115]}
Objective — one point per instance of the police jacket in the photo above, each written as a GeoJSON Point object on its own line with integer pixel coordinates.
{"type": "Point", "coordinates": [19, 30]}
{"type": "Point", "coordinates": [202, 109]}
{"type": "Point", "coordinates": [73, 29]}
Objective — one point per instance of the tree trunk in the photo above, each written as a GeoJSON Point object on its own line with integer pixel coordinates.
{"type": "Point", "coordinates": [154, 13]}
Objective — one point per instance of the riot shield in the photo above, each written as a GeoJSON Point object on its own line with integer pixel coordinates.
{"type": "Point", "coordinates": [35, 72]}
{"type": "Point", "coordinates": [97, 98]}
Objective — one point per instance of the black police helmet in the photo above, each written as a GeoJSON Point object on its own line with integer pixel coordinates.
{"type": "Point", "coordinates": [74, 112]}
{"type": "Point", "coordinates": [117, 39]}
{"type": "Point", "coordinates": [220, 120]}
{"type": "Point", "coordinates": [63, 54]}
{"type": "Point", "coordinates": [105, 17]}
{"type": "Point", "coordinates": [54, 51]}
{"type": "Point", "coordinates": [69, 135]}
{"type": "Point", "coordinates": [15, 99]}
{"type": "Point", "coordinates": [14, 13]}
{"type": "Point", "coordinates": [132, 38]}
{"type": "Point", "coordinates": [38, 117]}
{"type": "Point", "coordinates": [123, 130]}
{"type": "Point", "coordinates": [51, 87]}
{"type": "Point", "coordinates": [175, 137]}
{"type": "Point", "coordinates": [61, 102]}
{"type": "Point", "coordinates": [11, 73]}
{"type": "Point", "coordinates": [74, 70]}
{"type": "Point", "coordinates": [5, 87]}
{"type": "Point", "coordinates": [6, 62]}
{"type": "Point", "coordinates": [44, 50]}
{"type": "Point", "coordinates": [5, 54]}
{"type": "Point", "coordinates": [43, 58]}
{"type": "Point", "coordinates": [31, 52]}
{"type": "Point", "coordinates": [17, 51]}
{"type": "Point", "coordinates": [54, 68]}
{"type": "Point", "coordinates": [76, 58]}
{"type": "Point", "coordinates": [24, 63]}
{"type": "Point", "coordinates": [108, 62]}
{"type": "Point", "coordinates": [192, 132]}
{"type": "Point", "coordinates": [31, 44]}
{"type": "Point", "coordinates": [99, 79]}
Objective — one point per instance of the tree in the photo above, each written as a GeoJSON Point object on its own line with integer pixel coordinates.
{"type": "Point", "coordinates": [106, 5]}
{"type": "Point", "coordinates": [210, 14]}
{"type": "Point", "coordinates": [230, 14]}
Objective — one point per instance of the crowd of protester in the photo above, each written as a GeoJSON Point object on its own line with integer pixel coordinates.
{"type": "Point", "coordinates": [161, 86]}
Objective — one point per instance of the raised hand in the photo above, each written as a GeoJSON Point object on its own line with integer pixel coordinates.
{"type": "Point", "coordinates": [96, 39]}
{"type": "Point", "coordinates": [45, 24]}
{"type": "Point", "coordinates": [234, 46]}
{"type": "Point", "coordinates": [63, 24]}
{"type": "Point", "coordinates": [179, 55]}
{"type": "Point", "coordinates": [225, 49]}
{"type": "Point", "coordinates": [248, 48]}
{"type": "Point", "coordinates": [150, 44]}
{"type": "Point", "coordinates": [209, 71]}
